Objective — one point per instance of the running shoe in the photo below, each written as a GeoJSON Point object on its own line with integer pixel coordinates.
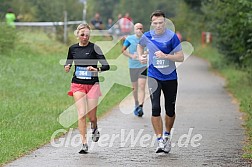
{"type": "Point", "coordinates": [167, 144]}
{"type": "Point", "coordinates": [140, 111]}
{"type": "Point", "coordinates": [160, 147]}
{"type": "Point", "coordinates": [95, 134]}
{"type": "Point", "coordinates": [136, 111]}
{"type": "Point", "coordinates": [84, 149]}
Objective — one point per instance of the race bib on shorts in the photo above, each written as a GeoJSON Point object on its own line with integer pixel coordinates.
{"type": "Point", "coordinates": [160, 63]}
{"type": "Point", "coordinates": [83, 73]}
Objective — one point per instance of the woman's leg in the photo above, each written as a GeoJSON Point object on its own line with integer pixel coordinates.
{"type": "Point", "coordinates": [81, 104]}
{"type": "Point", "coordinates": [92, 109]}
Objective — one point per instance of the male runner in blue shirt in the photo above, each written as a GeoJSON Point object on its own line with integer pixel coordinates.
{"type": "Point", "coordinates": [164, 50]}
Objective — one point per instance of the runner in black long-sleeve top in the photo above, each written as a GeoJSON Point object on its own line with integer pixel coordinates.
{"type": "Point", "coordinates": [85, 86]}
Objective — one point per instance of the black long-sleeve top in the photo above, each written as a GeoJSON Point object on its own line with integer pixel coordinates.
{"type": "Point", "coordinates": [84, 56]}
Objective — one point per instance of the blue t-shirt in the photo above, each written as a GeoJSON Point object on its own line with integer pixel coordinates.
{"type": "Point", "coordinates": [131, 42]}
{"type": "Point", "coordinates": [168, 43]}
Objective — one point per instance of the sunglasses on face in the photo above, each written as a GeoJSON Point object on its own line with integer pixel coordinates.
{"type": "Point", "coordinates": [87, 35]}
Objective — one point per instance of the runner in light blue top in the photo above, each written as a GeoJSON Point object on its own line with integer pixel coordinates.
{"type": "Point", "coordinates": [131, 43]}
{"type": "Point", "coordinates": [137, 70]}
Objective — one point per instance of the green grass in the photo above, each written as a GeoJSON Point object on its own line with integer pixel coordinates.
{"type": "Point", "coordinates": [238, 83]}
{"type": "Point", "coordinates": [33, 93]}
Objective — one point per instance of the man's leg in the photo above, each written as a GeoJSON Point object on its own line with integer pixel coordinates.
{"type": "Point", "coordinates": [134, 82]}
{"type": "Point", "coordinates": [169, 121]}
{"type": "Point", "coordinates": [155, 93]}
{"type": "Point", "coordinates": [135, 92]}
{"type": "Point", "coordinates": [170, 94]}
{"type": "Point", "coordinates": [156, 120]}
{"type": "Point", "coordinates": [141, 94]}
{"type": "Point", "coordinates": [157, 124]}
{"type": "Point", "coordinates": [142, 78]}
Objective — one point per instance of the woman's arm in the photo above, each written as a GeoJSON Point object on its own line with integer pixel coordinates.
{"type": "Point", "coordinates": [69, 60]}
{"type": "Point", "coordinates": [101, 58]}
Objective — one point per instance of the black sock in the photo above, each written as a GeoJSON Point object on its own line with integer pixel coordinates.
{"type": "Point", "coordinates": [141, 105]}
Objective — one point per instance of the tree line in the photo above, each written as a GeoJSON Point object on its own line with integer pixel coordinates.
{"type": "Point", "coordinates": [230, 21]}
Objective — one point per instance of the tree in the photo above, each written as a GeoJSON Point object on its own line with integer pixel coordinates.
{"type": "Point", "coordinates": [231, 21]}
{"type": "Point", "coordinates": [188, 22]}
{"type": "Point", "coordinates": [194, 4]}
{"type": "Point", "coordinates": [106, 8]}
{"type": "Point", "coordinates": [48, 10]}
{"type": "Point", "coordinates": [44, 10]}
{"type": "Point", "coordinates": [141, 10]}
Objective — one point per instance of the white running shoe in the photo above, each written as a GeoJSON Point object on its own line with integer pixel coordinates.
{"type": "Point", "coordinates": [167, 144]}
{"type": "Point", "coordinates": [95, 134]}
{"type": "Point", "coordinates": [84, 149]}
{"type": "Point", "coordinates": [160, 147]}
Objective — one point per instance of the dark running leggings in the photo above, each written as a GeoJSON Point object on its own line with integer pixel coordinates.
{"type": "Point", "coordinates": [169, 89]}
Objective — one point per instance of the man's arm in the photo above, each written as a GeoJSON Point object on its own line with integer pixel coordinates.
{"type": "Point", "coordinates": [126, 53]}
{"type": "Point", "coordinates": [126, 44]}
{"type": "Point", "coordinates": [140, 51]}
{"type": "Point", "coordinates": [176, 57]}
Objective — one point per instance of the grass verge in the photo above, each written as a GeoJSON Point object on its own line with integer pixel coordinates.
{"type": "Point", "coordinates": [33, 93]}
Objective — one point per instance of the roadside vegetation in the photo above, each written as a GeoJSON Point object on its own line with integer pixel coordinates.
{"type": "Point", "coordinates": [33, 85]}
{"type": "Point", "coordinates": [33, 91]}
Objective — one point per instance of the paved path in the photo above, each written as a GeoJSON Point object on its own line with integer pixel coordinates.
{"type": "Point", "coordinates": [208, 131]}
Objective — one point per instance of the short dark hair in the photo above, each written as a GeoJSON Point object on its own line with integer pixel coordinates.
{"type": "Point", "coordinates": [157, 13]}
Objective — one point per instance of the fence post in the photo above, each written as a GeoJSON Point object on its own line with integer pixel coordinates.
{"type": "Point", "coordinates": [84, 10]}
{"type": "Point", "coordinates": [65, 27]}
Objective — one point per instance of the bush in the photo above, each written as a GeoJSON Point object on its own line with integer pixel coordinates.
{"type": "Point", "coordinates": [8, 37]}
{"type": "Point", "coordinates": [231, 21]}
